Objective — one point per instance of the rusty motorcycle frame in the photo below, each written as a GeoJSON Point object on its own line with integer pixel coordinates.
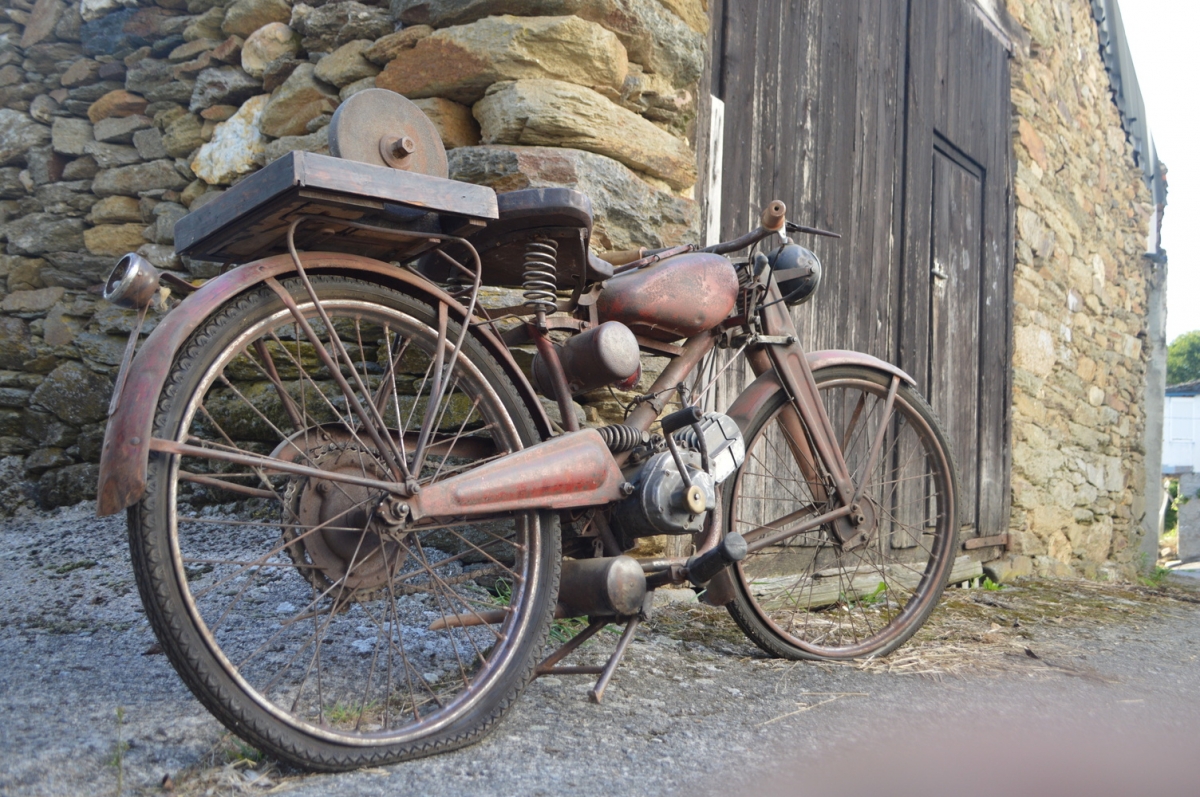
{"type": "Point", "coordinates": [353, 521]}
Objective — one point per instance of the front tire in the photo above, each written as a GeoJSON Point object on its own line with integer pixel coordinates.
{"type": "Point", "coordinates": [808, 598]}
{"type": "Point", "coordinates": [291, 607]}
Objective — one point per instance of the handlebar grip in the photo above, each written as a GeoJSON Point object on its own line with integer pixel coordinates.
{"type": "Point", "coordinates": [774, 215]}
{"type": "Point", "coordinates": [677, 420]}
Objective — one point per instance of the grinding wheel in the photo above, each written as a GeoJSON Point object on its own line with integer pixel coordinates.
{"type": "Point", "coordinates": [382, 128]}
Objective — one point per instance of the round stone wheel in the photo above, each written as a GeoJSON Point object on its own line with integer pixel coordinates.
{"type": "Point", "coordinates": [382, 128]}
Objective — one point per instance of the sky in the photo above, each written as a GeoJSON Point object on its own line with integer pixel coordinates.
{"type": "Point", "coordinates": [1164, 39]}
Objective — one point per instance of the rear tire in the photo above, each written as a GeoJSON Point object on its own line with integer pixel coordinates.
{"type": "Point", "coordinates": [296, 615]}
{"type": "Point", "coordinates": [807, 598]}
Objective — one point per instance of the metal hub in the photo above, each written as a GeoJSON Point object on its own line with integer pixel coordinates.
{"type": "Point", "coordinates": [860, 526]}
{"type": "Point", "coordinates": [355, 549]}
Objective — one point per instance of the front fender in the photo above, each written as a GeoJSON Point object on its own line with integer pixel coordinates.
{"type": "Point", "coordinates": [760, 391]}
{"type": "Point", "coordinates": [126, 452]}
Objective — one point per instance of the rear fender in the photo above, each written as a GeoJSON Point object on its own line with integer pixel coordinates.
{"type": "Point", "coordinates": [125, 456]}
{"type": "Point", "coordinates": [753, 398]}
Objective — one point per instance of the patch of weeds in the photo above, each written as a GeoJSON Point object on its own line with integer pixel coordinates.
{"type": "Point", "coordinates": [1157, 579]}
{"type": "Point", "coordinates": [117, 759]}
{"type": "Point", "coordinates": [344, 713]}
{"type": "Point", "coordinates": [991, 586]}
{"type": "Point", "coordinates": [867, 600]}
{"type": "Point", "coordinates": [232, 750]}
{"type": "Point", "coordinates": [83, 564]}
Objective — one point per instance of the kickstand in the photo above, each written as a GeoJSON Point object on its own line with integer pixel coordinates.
{"type": "Point", "coordinates": [596, 694]}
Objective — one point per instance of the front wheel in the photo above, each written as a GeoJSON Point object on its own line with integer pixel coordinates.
{"type": "Point", "coordinates": [807, 597]}
{"type": "Point", "coordinates": [297, 605]}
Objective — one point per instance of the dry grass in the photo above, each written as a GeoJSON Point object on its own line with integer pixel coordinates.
{"type": "Point", "coordinates": [1034, 626]}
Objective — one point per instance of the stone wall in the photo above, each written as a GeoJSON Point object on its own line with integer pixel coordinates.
{"type": "Point", "coordinates": [117, 117]}
{"type": "Point", "coordinates": [1082, 219]}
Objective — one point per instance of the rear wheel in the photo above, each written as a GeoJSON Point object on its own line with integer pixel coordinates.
{"type": "Point", "coordinates": [806, 596]}
{"type": "Point", "coordinates": [300, 608]}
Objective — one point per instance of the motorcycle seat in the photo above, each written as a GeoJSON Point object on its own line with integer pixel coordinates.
{"type": "Point", "coordinates": [562, 215]}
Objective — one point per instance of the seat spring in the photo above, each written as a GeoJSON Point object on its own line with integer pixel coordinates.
{"type": "Point", "coordinates": [620, 438]}
{"type": "Point", "coordinates": [540, 269]}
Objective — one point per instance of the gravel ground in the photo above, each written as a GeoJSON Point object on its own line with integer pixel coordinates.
{"type": "Point", "coordinates": [694, 709]}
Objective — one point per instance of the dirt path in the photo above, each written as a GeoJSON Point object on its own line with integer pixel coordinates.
{"type": "Point", "coordinates": [695, 708]}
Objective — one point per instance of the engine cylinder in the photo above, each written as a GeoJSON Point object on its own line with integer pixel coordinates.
{"type": "Point", "coordinates": [604, 355]}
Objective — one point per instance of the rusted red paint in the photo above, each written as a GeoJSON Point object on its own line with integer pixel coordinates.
{"type": "Point", "coordinates": [750, 400]}
{"type": "Point", "coordinates": [832, 357]}
{"type": "Point", "coordinates": [126, 451]}
{"type": "Point", "coordinates": [572, 470]}
{"type": "Point", "coordinates": [677, 298]}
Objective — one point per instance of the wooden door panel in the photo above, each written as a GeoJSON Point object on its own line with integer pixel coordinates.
{"type": "Point", "coordinates": [955, 236]}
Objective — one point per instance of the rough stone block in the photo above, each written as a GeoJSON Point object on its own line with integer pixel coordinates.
{"type": "Point", "coordinates": [149, 144]}
{"type": "Point", "coordinates": [313, 142]}
{"type": "Point", "coordinates": [115, 210]}
{"type": "Point", "coordinates": [333, 24]}
{"type": "Point", "coordinates": [32, 302]}
{"type": "Point", "coordinates": [227, 85]}
{"type": "Point", "coordinates": [627, 211]}
{"type": "Point", "coordinates": [38, 233]}
{"type": "Point", "coordinates": [206, 26]}
{"type": "Point", "coordinates": [462, 61]}
{"type": "Point", "coordinates": [275, 40]}
{"type": "Point", "coordinates": [246, 16]}
{"type": "Point", "coordinates": [80, 73]}
{"type": "Point", "coordinates": [653, 36]}
{"type": "Point", "coordinates": [120, 130]}
{"type": "Point", "coordinates": [236, 147]}
{"type": "Point", "coordinates": [116, 103]}
{"type": "Point", "coordinates": [390, 46]}
{"type": "Point", "coordinates": [114, 239]}
{"type": "Point", "coordinates": [19, 134]}
{"type": "Point", "coordinates": [453, 121]}
{"type": "Point", "coordinates": [554, 113]}
{"type": "Point", "coordinates": [1189, 517]}
{"type": "Point", "coordinates": [183, 135]}
{"type": "Point", "coordinates": [130, 180]}
{"type": "Point", "coordinates": [109, 156]}
{"type": "Point", "coordinates": [346, 64]}
{"type": "Point", "coordinates": [42, 21]}
{"type": "Point", "coordinates": [301, 98]}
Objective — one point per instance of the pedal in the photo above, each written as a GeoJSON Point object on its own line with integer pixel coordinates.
{"type": "Point", "coordinates": [703, 568]}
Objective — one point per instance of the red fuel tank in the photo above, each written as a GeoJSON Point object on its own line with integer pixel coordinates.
{"type": "Point", "coordinates": [677, 298]}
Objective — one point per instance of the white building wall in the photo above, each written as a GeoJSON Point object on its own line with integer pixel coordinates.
{"type": "Point", "coordinates": [1181, 434]}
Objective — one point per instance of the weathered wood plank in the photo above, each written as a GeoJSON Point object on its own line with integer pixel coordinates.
{"type": "Point", "coordinates": [834, 106]}
{"type": "Point", "coordinates": [786, 592]}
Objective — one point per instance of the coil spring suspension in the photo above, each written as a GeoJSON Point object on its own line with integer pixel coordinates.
{"type": "Point", "coordinates": [540, 269]}
{"type": "Point", "coordinates": [620, 438]}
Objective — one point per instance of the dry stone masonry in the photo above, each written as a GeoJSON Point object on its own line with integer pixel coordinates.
{"type": "Point", "coordinates": [118, 117]}
{"type": "Point", "coordinates": [1082, 224]}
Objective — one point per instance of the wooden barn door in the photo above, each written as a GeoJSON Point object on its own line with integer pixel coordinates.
{"type": "Point", "coordinates": [954, 333]}
{"type": "Point", "coordinates": [887, 122]}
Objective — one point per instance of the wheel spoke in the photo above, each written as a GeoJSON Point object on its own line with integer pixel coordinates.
{"type": "Point", "coordinates": [807, 596]}
{"type": "Point", "coordinates": [310, 590]}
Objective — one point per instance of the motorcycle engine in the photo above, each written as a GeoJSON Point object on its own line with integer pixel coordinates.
{"type": "Point", "coordinates": [662, 503]}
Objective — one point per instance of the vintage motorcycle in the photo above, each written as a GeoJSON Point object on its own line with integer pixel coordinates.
{"type": "Point", "coordinates": [352, 519]}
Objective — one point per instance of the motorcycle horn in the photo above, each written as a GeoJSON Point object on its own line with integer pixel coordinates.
{"type": "Point", "coordinates": [133, 282]}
